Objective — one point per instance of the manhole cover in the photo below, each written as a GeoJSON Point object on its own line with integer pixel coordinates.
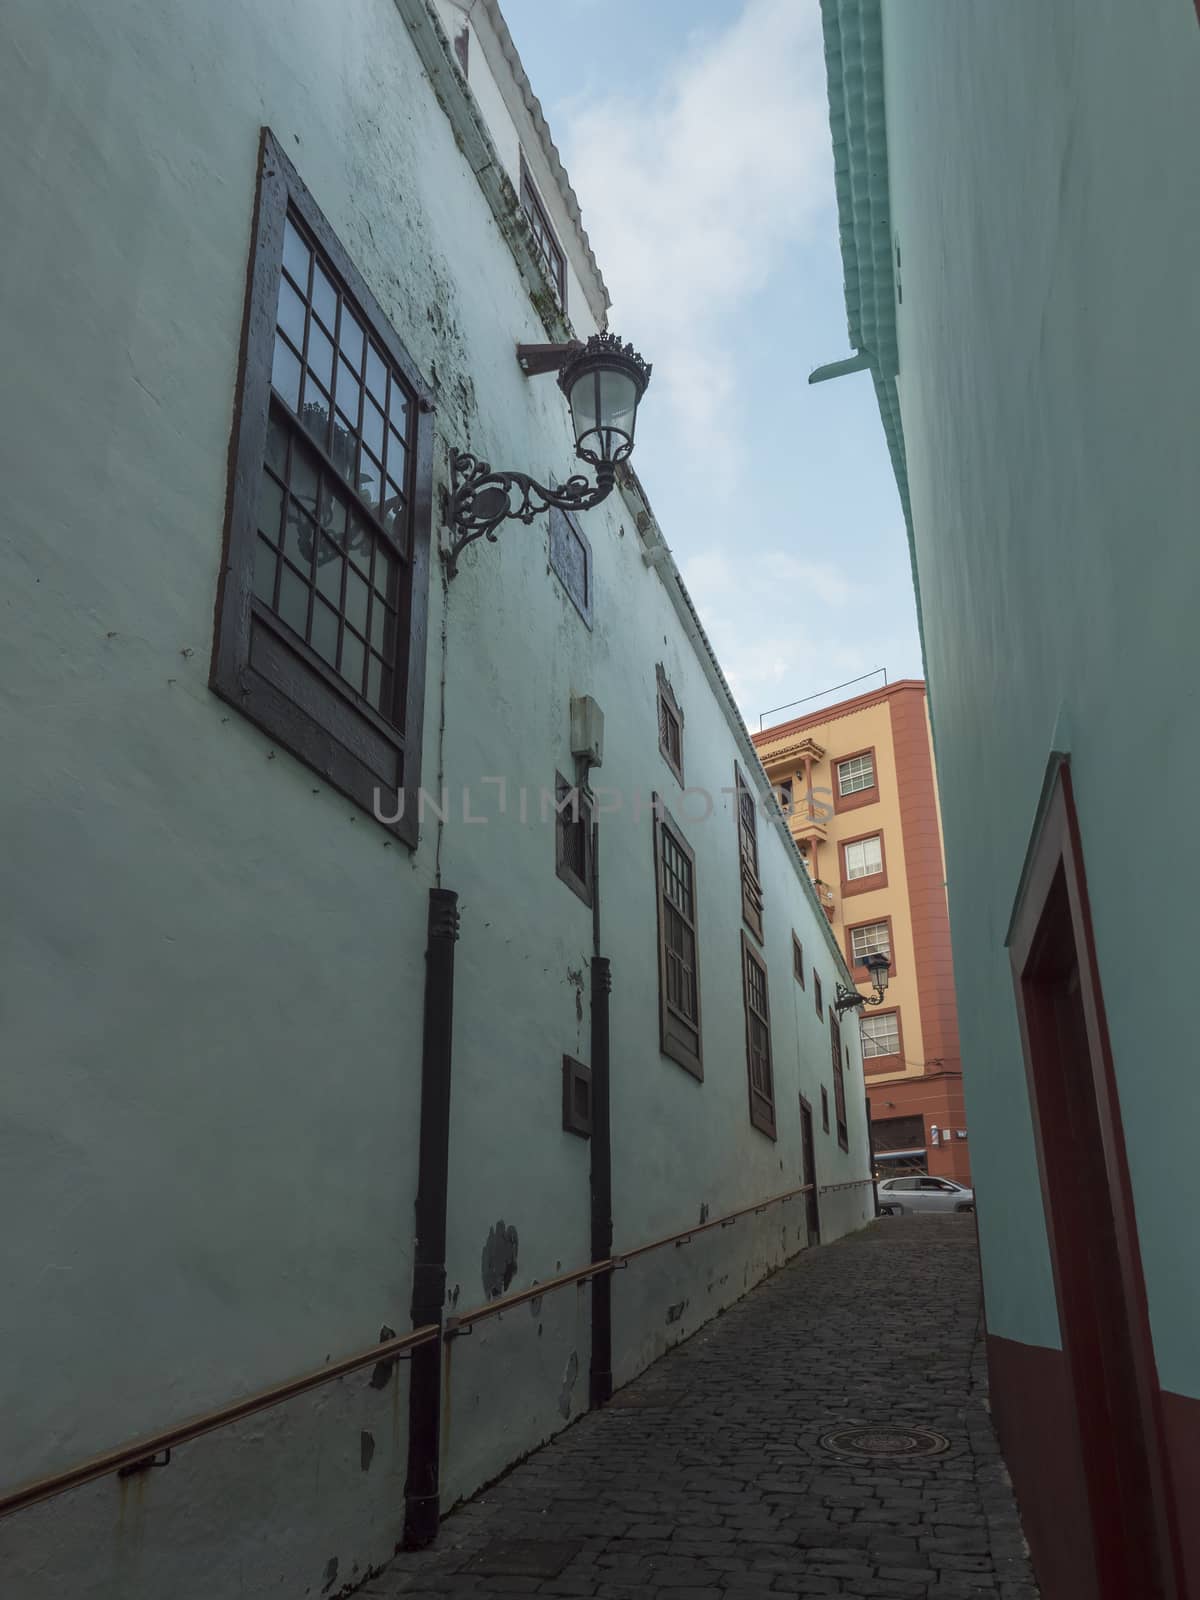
{"type": "Point", "coordinates": [885, 1442]}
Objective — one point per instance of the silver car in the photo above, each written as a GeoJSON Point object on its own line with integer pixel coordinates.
{"type": "Point", "coordinates": [901, 1197]}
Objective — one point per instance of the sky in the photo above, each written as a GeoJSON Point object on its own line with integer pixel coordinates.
{"type": "Point", "coordinates": [696, 136]}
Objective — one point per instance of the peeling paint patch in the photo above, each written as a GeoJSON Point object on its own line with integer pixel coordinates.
{"type": "Point", "coordinates": [499, 1260]}
{"type": "Point", "coordinates": [331, 1572]}
{"type": "Point", "coordinates": [570, 1374]}
{"type": "Point", "coordinates": [366, 1449]}
{"type": "Point", "coordinates": [675, 1312]}
{"type": "Point", "coordinates": [575, 978]}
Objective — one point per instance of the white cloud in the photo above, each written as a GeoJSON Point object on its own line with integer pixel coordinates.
{"type": "Point", "coordinates": [693, 196]}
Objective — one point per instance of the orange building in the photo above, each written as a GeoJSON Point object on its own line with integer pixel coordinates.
{"type": "Point", "coordinates": [857, 783]}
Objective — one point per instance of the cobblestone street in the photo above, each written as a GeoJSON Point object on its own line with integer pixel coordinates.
{"type": "Point", "coordinates": [707, 1478]}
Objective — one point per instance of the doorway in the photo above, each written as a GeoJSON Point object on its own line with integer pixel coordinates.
{"type": "Point", "coordinates": [1090, 1222]}
{"type": "Point", "coordinates": [809, 1172]}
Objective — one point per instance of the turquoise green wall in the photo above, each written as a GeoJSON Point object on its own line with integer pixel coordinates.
{"type": "Point", "coordinates": [1045, 189]}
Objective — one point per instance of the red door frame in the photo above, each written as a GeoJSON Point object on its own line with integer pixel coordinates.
{"type": "Point", "coordinates": [1054, 890]}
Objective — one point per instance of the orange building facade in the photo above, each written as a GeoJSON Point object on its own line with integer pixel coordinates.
{"type": "Point", "coordinates": [857, 783]}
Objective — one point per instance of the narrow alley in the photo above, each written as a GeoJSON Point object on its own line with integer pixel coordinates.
{"type": "Point", "coordinates": [775, 1453]}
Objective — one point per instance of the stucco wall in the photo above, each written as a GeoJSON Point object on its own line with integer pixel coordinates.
{"type": "Point", "coordinates": [212, 964]}
{"type": "Point", "coordinates": [1046, 199]}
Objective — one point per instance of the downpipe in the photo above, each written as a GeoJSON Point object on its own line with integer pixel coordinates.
{"type": "Point", "coordinates": [422, 1489]}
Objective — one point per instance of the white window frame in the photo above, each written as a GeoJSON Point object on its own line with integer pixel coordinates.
{"type": "Point", "coordinates": [860, 845]}
{"type": "Point", "coordinates": [860, 770]}
{"type": "Point", "coordinates": [880, 945]}
{"type": "Point", "coordinates": [870, 1044]}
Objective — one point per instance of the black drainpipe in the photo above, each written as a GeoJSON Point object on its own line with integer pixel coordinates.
{"type": "Point", "coordinates": [600, 1384]}
{"type": "Point", "coordinates": [421, 1490]}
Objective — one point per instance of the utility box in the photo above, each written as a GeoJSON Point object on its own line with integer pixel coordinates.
{"type": "Point", "coordinates": [587, 730]}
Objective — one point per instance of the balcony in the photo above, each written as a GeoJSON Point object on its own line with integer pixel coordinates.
{"type": "Point", "coordinates": [825, 896]}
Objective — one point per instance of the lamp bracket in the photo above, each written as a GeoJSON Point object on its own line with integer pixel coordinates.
{"type": "Point", "coordinates": [480, 500]}
{"type": "Point", "coordinates": [536, 358]}
{"type": "Point", "coordinates": [848, 999]}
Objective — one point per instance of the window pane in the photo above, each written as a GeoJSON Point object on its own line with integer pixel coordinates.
{"type": "Point", "coordinates": [295, 254]}
{"type": "Point", "coordinates": [354, 656]}
{"type": "Point", "coordinates": [855, 774]}
{"type": "Point", "coordinates": [293, 601]}
{"type": "Point", "coordinates": [871, 940]}
{"type": "Point", "coordinates": [305, 480]}
{"type": "Point", "coordinates": [398, 408]}
{"type": "Point", "coordinates": [270, 508]}
{"type": "Point", "coordinates": [372, 427]}
{"type": "Point", "coordinates": [290, 314]}
{"type": "Point", "coordinates": [299, 537]}
{"type": "Point", "coordinates": [329, 572]}
{"type": "Point", "coordinates": [277, 444]}
{"type": "Point", "coordinates": [325, 631]}
{"type": "Point", "coordinates": [320, 356]}
{"type": "Point", "coordinates": [348, 392]}
{"type": "Point", "coordinates": [376, 374]}
{"type": "Point", "coordinates": [265, 564]}
{"type": "Point", "coordinates": [324, 298]}
{"type": "Point", "coordinates": [316, 409]}
{"type": "Point", "coordinates": [356, 601]}
{"type": "Point", "coordinates": [285, 374]}
{"type": "Point", "coordinates": [370, 479]}
{"type": "Point", "coordinates": [350, 338]}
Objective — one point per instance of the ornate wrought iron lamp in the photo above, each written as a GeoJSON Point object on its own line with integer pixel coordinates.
{"type": "Point", "coordinates": [877, 971]}
{"type": "Point", "coordinates": [603, 381]}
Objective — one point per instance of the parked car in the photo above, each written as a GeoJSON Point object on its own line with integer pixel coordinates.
{"type": "Point", "coordinates": [899, 1197]}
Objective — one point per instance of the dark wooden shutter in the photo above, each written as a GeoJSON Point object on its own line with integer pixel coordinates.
{"type": "Point", "coordinates": [747, 821]}
{"type": "Point", "coordinates": [839, 1082]}
{"type": "Point", "coordinates": [678, 949]}
{"type": "Point", "coordinates": [759, 1068]}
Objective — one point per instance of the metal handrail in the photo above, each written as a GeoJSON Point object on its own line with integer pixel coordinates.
{"type": "Point", "coordinates": [141, 1452]}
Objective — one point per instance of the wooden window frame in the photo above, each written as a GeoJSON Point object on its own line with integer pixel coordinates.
{"type": "Point", "coordinates": [818, 994]}
{"type": "Point", "coordinates": [259, 665]}
{"type": "Point", "coordinates": [762, 1105]}
{"type": "Point", "coordinates": [667, 703]}
{"type": "Point", "coordinates": [558, 518]}
{"type": "Point", "coordinates": [839, 1082]}
{"type": "Point", "coordinates": [674, 1026]}
{"type": "Point", "coordinates": [573, 1120]}
{"type": "Point", "coordinates": [858, 968]}
{"type": "Point", "coordinates": [531, 200]}
{"type": "Point", "coordinates": [824, 1109]}
{"type": "Point", "coordinates": [798, 960]}
{"type": "Point", "coordinates": [861, 797]}
{"type": "Point", "coordinates": [894, 1062]}
{"type": "Point", "coordinates": [583, 820]}
{"type": "Point", "coordinates": [876, 880]}
{"type": "Point", "coordinates": [746, 816]}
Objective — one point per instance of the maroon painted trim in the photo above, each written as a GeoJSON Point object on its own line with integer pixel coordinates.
{"type": "Point", "coordinates": [1056, 856]}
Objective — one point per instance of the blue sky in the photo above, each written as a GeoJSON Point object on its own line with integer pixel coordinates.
{"type": "Point", "coordinates": [696, 137]}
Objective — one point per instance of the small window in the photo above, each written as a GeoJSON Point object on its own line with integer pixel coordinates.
{"type": "Point", "coordinates": [577, 1097]}
{"type": "Point", "coordinates": [678, 960]}
{"type": "Point", "coordinates": [856, 774]}
{"type": "Point", "coordinates": [797, 961]}
{"type": "Point", "coordinates": [863, 858]}
{"type": "Point", "coordinates": [758, 1040]}
{"type": "Point", "coordinates": [824, 1109]}
{"type": "Point", "coordinates": [545, 241]}
{"type": "Point", "coordinates": [747, 821]}
{"type": "Point", "coordinates": [573, 837]}
{"type": "Point", "coordinates": [880, 1035]}
{"type": "Point", "coordinates": [871, 939]}
{"type": "Point", "coordinates": [670, 725]}
{"type": "Point", "coordinates": [571, 560]}
{"type": "Point", "coordinates": [321, 613]}
{"type": "Point", "coordinates": [784, 795]}
{"type": "Point", "coordinates": [839, 1082]}
{"type": "Point", "coordinates": [818, 994]}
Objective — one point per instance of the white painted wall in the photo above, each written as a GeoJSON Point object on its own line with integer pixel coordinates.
{"type": "Point", "coordinates": [212, 966]}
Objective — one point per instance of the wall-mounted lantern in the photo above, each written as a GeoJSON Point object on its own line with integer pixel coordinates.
{"type": "Point", "coordinates": [603, 381]}
{"type": "Point", "coordinates": [877, 972]}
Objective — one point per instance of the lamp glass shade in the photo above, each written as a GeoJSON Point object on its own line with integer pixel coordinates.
{"type": "Point", "coordinates": [877, 968]}
{"type": "Point", "coordinates": [603, 385]}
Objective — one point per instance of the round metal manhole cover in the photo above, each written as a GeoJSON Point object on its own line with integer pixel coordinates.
{"type": "Point", "coordinates": [885, 1442]}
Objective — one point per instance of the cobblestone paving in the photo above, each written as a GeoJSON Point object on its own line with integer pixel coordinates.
{"type": "Point", "coordinates": [725, 1492]}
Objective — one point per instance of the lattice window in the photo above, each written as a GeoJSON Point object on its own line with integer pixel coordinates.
{"type": "Point", "coordinates": [670, 725]}
{"type": "Point", "coordinates": [545, 240]}
{"type": "Point", "coordinates": [758, 1040]}
{"type": "Point", "coordinates": [880, 1035]}
{"type": "Point", "coordinates": [856, 774]}
{"type": "Point", "coordinates": [573, 837]}
{"type": "Point", "coordinates": [863, 858]}
{"type": "Point", "coordinates": [873, 938]}
{"type": "Point", "coordinates": [323, 596]}
{"type": "Point", "coordinates": [679, 972]}
{"type": "Point", "coordinates": [747, 820]}
{"type": "Point", "coordinates": [797, 961]}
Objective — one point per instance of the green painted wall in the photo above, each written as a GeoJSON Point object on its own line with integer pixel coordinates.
{"type": "Point", "coordinates": [1046, 194]}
